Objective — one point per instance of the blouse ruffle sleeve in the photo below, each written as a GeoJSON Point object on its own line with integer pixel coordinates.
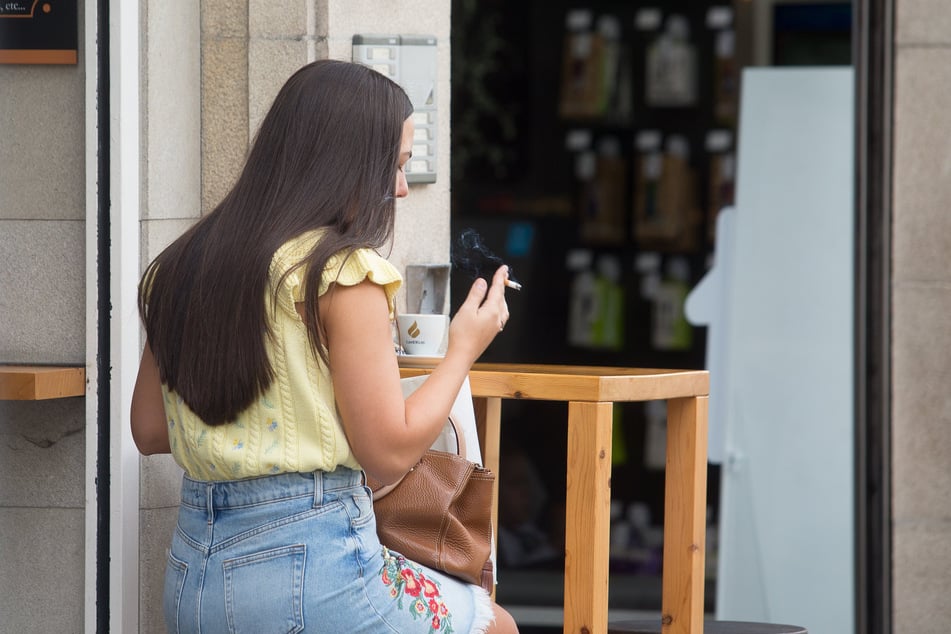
{"type": "Point", "coordinates": [349, 270]}
{"type": "Point", "coordinates": [360, 265]}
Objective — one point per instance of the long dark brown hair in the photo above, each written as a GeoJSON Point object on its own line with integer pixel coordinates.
{"type": "Point", "coordinates": [325, 157]}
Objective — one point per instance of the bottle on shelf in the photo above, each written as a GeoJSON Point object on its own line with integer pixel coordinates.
{"type": "Point", "coordinates": [670, 328]}
{"type": "Point", "coordinates": [671, 73]}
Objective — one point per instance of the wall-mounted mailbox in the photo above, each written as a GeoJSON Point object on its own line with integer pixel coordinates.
{"type": "Point", "coordinates": [427, 287]}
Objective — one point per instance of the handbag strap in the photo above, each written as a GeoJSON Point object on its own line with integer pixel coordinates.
{"type": "Point", "coordinates": [381, 491]}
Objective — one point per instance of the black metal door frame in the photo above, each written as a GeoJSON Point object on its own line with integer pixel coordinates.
{"type": "Point", "coordinates": [873, 61]}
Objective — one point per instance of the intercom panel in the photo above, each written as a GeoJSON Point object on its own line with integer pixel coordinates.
{"type": "Point", "coordinates": [410, 61]}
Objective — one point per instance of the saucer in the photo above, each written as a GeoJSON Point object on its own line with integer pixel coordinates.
{"type": "Point", "coordinates": [418, 360]}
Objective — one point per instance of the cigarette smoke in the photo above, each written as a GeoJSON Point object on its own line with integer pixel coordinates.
{"type": "Point", "coordinates": [469, 254]}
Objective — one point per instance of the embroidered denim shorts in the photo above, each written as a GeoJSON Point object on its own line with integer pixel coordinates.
{"type": "Point", "coordinates": [298, 552]}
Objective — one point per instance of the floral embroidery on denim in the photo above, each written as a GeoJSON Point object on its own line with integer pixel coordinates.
{"type": "Point", "coordinates": [408, 581]}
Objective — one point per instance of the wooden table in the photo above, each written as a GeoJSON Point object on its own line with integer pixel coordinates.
{"type": "Point", "coordinates": [591, 393]}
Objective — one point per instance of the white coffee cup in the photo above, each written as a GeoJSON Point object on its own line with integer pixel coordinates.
{"type": "Point", "coordinates": [422, 334]}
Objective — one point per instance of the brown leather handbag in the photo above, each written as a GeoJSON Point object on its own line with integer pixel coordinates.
{"type": "Point", "coordinates": [440, 514]}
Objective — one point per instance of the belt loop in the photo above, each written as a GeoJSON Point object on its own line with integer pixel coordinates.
{"type": "Point", "coordinates": [210, 502]}
{"type": "Point", "coordinates": [318, 488]}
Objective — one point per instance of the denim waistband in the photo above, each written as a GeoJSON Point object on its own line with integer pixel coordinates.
{"type": "Point", "coordinates": [209, 494]}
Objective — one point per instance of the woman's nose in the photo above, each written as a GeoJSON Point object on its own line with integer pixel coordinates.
{"type": "Point", "coordinates": [402, 189]}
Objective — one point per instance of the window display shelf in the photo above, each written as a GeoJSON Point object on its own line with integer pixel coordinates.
{"type": "Point", "coordinates": [41, 382]}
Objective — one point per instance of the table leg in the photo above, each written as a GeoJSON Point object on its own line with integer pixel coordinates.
{"type": "Point", "coordinates": [685, 509]}
{"type": "Point", "coordinates": [587, 517]}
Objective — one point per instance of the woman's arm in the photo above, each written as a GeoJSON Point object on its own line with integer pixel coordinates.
{"type": "Point", "coordinates": [149, 429]}
{"type": "Point", "coordinates": [387, 433]}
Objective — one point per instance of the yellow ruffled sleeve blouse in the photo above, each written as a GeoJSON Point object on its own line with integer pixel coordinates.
{"type": "Point", "coordinates": [294, 426]}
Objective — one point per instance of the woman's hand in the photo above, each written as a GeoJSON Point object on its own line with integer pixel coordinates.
{"type": "Point", "coordinates": [480, 318]}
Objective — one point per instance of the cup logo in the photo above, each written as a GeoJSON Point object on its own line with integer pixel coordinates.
{"type": "Point", "coordinates": [413, 331]}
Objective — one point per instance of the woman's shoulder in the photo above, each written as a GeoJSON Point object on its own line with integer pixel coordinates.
{"type": "Point", "coordinates": [348, 267]}
{"type": "Point", "coordinates": [296, 249]}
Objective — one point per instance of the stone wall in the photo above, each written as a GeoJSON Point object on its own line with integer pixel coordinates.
{"type": "Point", "coordinates": [42, 321]}
{"type": "Point", "coordinates": [921, 318]}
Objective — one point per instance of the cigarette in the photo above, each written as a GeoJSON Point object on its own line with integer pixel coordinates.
{"type": "Point", "coordinates": [513, 285]}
